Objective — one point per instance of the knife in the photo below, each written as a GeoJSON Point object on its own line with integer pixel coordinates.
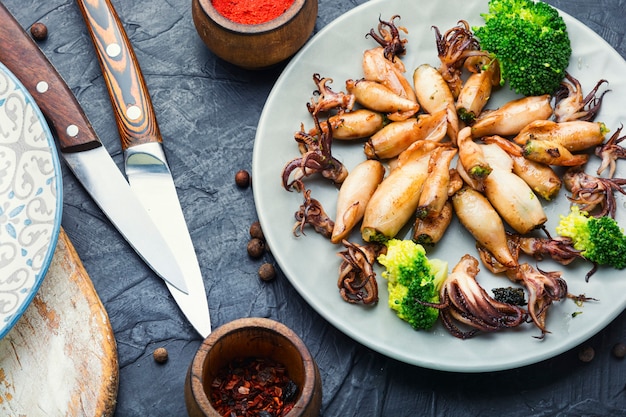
{"type": "Point", "coordinates": [146, 166]}
{"type": "Point", "coordinates": [83, 152]}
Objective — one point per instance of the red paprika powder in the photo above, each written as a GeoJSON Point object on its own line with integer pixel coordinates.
{"type": "Point", "coordinates": [251, 12]}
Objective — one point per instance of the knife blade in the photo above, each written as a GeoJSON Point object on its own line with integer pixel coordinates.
{"type": "Point", "coordinates": [82, 150]}
{"type": "Point", "coordinates": [145, 163]}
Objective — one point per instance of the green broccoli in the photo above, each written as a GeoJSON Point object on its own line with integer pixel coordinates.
{"type": "Point", "coordinates": [411, 278]}
{"type": "Point", "coordinates": [600, 239]}
{"type": "Point", "coordinates": [531, 43]}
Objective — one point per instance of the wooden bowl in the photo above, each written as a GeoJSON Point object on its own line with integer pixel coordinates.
{"type": "Point", "coordinates": [253, 338]}
{"type": "Point", "coordinates": [255, 46]}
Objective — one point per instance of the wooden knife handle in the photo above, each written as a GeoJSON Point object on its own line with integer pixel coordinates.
{"type": "Point", "coordinates": [130, 99]}
{"type": "Point", "coordinates": [21, 55]}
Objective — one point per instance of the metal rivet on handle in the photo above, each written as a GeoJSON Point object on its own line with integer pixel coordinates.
{"type": "Point", "coordinates": [72, 130]}
{"type": "Point", "coordinates": [133, 112]}
{"type": "Point", "coordinates": [113, 50]}
{"type": "Point", "coordinates": [42, 87]}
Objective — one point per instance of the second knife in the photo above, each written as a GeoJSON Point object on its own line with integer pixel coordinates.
{"type": "Point", "coordinates": [146, 167]}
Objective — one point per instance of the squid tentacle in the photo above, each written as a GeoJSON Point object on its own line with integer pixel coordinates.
{"type": "Point", "coordinates": [388, 37]}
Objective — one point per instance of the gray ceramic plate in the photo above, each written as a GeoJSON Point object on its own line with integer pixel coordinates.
{"type": "Point", "coordinates": [30, 199]}
{"type": "Point", "coordinates": [310, 262]}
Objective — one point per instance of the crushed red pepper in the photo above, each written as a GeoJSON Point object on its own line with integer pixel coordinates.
{"type": "Point", "coordinates": [253, 387]}
{"type": "Point", "coordinates": [251, 12]}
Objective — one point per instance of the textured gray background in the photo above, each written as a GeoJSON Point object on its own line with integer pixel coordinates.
{"type": "Point", "coordinates": [208, 111]}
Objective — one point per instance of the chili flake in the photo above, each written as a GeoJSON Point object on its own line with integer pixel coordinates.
{"type": "Point", "coordinates": [253, 387]}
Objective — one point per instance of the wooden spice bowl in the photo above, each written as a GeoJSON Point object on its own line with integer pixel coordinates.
{"type": "Point", "coordinates": [253, 338]}
{"type": "Point", "coordinates": [255, 46]}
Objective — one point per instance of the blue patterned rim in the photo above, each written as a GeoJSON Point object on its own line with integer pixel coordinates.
{"type": "Point", "coordinates": [31, 199]}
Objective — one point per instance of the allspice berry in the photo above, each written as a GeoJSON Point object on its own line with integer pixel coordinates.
{"type": "Point", "coordinates": [256, 231]}
{"type": "Point", "coordinates": [619, 350]}
{"type": "Point", "coordinates": [39, 31]}
{"type": "Point", "coordinates": [160, 355]}
{"type": "Point", "coordinates": [586, 354]}
{"type": "Point", "coordinates": [267, 272]}
{"type": "Point", "coordinates": [256, 248]}
{"type": "Point", "coordinates": [242, 178]}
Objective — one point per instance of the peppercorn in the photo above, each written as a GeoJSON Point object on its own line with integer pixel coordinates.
{"type": "Point", "coordinates": [619, 350]}
{"type": "Point", "coordinates": [39, 31]}
{"type": "Point", "coordinates": [586, 354]}
{"type": "Point", "coordinates": [290, 391]}
{"type": "Point", "coordinates": [267, 272]}
{"type": "Point", "coordinates": [242, 178]}
{"type": "Point", "coordinates": [160, 355]}
{"type": "Point", "coordinates": [256, 231]}
{"type": "Point", "coordinates": [256, 248]}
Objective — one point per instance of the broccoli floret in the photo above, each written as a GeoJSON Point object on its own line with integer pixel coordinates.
{"type": "Point", "coordinates": [509, 295]}
{"type": "Point", "coordinates": [411, 278]}
{"type": "Point", "coordinates": [600, 239]}
{"type": "Point", "coordinates": [531, 43]}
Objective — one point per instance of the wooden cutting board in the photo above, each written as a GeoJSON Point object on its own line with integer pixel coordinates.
{"type": "Point", "coordinates": [60, 359]}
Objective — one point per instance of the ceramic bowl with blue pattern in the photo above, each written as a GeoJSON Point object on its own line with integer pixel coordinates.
{"type": "Point", "coordinates": [30, 199]}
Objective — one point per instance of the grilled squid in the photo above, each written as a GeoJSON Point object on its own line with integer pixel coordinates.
{"type": "Point", "coordinates": [354, 194]}
{"type": "Point", "coordinates": [513, 116]}
{"type": "Point", "coordinates": [467, 179]}
{"type": "Point", "coordinates": [357, 279]}
{"type": "Point", "coordinates": [456, 182]}
{"type": "Point", "coordinates": [429, 230]}
{"type": "Point", "coordinates": [560, 249]}
{"type": "Point", "coordinates": [386, 72]}
{"type": "Point", "coordinates": [325, 99]}
{"type": "Point", "coordinates": [512, 198]}
{"type": "Point", "coordinates": [574, 136]}
{"type": "Point", "coordinates": [544, 288]}
{"type": "Point", "coordinates": [471, 156]}
{"type": "Point", "coordinates": [476, 90]}
{"type": "Point", "coordinates": [415, 151]}
{"type": "Point", "coordinates": [465, 302]}
{"type": "Point", "coordinates": [395, 200]}
{"type": "Point", "coordinates": [570, 103]}
{"type": "Point", "coordinates": [388, 37]}
{"type": "Point", "coordinates": [453, 48]}
{"type": "Point", "coordinates": [356, 124]}
{"type": "Point", "coordinates": [396, 137]}
{"type": "Point", "coordinates": [434, 193]}
{"type": "Point", "coordinates": [482, 221]}
{"type": "Point", "coordinates": [377, 97]}
{"type": "Point", "coordinates": [540, 177]}
{"type": "Point", "coordinates": [610, 152]}
{"type": "Point", "coordinates": [312, 213]}
{"type": "Point", "coordinates": [434, 95]}
{"type": "Point", "coordinates": [552, 153]}
{"type": "Point", "coordinates": [593, 194]}
{"type": "Point", "coordinates": [316, 158]}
